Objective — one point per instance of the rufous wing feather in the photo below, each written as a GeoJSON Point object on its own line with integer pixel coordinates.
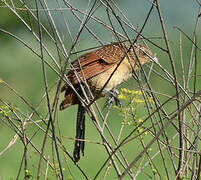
{"type": "Point", "coordinates": [88, 71]}
{"type": "Point", "coordinates": [96, 62]}
{"type": "Point", "coordinates": [111, 53]}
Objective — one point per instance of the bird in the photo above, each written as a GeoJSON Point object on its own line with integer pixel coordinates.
{"type": "Point", "coordinates": [102, 71]}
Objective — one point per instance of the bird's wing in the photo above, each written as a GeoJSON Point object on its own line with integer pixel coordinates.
{"type": "Point", "coordinates": [95, 62]}
{"type": "Point", "coordinates": [111, 53]}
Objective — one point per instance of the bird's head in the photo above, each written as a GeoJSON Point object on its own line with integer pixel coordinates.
{"type": "Point", "coordinates": [141, 53]}
{"type": "Point", "coordinates": [144, 54]}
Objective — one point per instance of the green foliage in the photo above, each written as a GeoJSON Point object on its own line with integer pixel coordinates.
{"type": "Point", "coordinates": [57, 170]}
{"type": "Point", "coordinates": [28, 174]}
{"type": "Point", "coordinates": [70, 178]}
{"type": "Point", "coordinates": [4, 110]}
{"type": "Point", "coordinates": [133, 103]}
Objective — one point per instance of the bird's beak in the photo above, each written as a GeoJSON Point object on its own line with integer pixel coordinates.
{"type": "Point", "coordinates": [154, 59]}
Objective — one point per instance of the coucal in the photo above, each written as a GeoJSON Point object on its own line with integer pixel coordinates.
{"type": "Point", "coordinates": [103, 70]}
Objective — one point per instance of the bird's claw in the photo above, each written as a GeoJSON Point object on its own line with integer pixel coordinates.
{"type": "Point", "coordinates": [112, 97]}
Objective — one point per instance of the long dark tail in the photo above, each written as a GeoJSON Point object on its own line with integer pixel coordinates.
{"type": "Point", "coordinates": [80, 133]}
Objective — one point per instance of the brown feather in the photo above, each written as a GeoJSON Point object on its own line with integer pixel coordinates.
{"type": "Point", "coordinates": [96, 62]}
{"type": "Point", "coordinates": [100, 69]}
{"type": "Point", "coordinates": [111, 53]}
{"type": "Point", "coordinates": [96, 67]}
{"type": "Point", "coordinates": [70, 99]}
{"type": "Point", "coordinates": [88, 71]}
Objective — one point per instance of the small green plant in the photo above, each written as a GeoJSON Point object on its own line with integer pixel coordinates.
{"type": "Point", "coordinates": [133, 108]}
{"type": "Point", "coordinates": [4, 110]}
{"type": "Point", "coordinates": [70, 178]}
{"type": "Point", "coordinates": [57, 169]}
{"type": "Point", "coordinates": [28, 174]}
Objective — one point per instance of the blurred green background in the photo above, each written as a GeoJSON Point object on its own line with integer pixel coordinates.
{"type": "Point", "coordinates": [22, 70]}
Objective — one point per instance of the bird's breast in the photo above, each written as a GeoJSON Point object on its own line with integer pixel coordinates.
{"type": "Point", "coordinates": [111, 80]}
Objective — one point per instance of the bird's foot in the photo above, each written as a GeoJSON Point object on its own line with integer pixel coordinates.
{"type": "Point", "coordinates": [112, 97]}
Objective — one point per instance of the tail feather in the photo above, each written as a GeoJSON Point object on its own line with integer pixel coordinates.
{"type": "Point", "coordinates": [80, 133]}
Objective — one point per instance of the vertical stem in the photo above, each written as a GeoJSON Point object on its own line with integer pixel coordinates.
{"type": "Point", "coordinates": [181, 125]}
{"type": "Point", "coordinates": [48, 100]}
